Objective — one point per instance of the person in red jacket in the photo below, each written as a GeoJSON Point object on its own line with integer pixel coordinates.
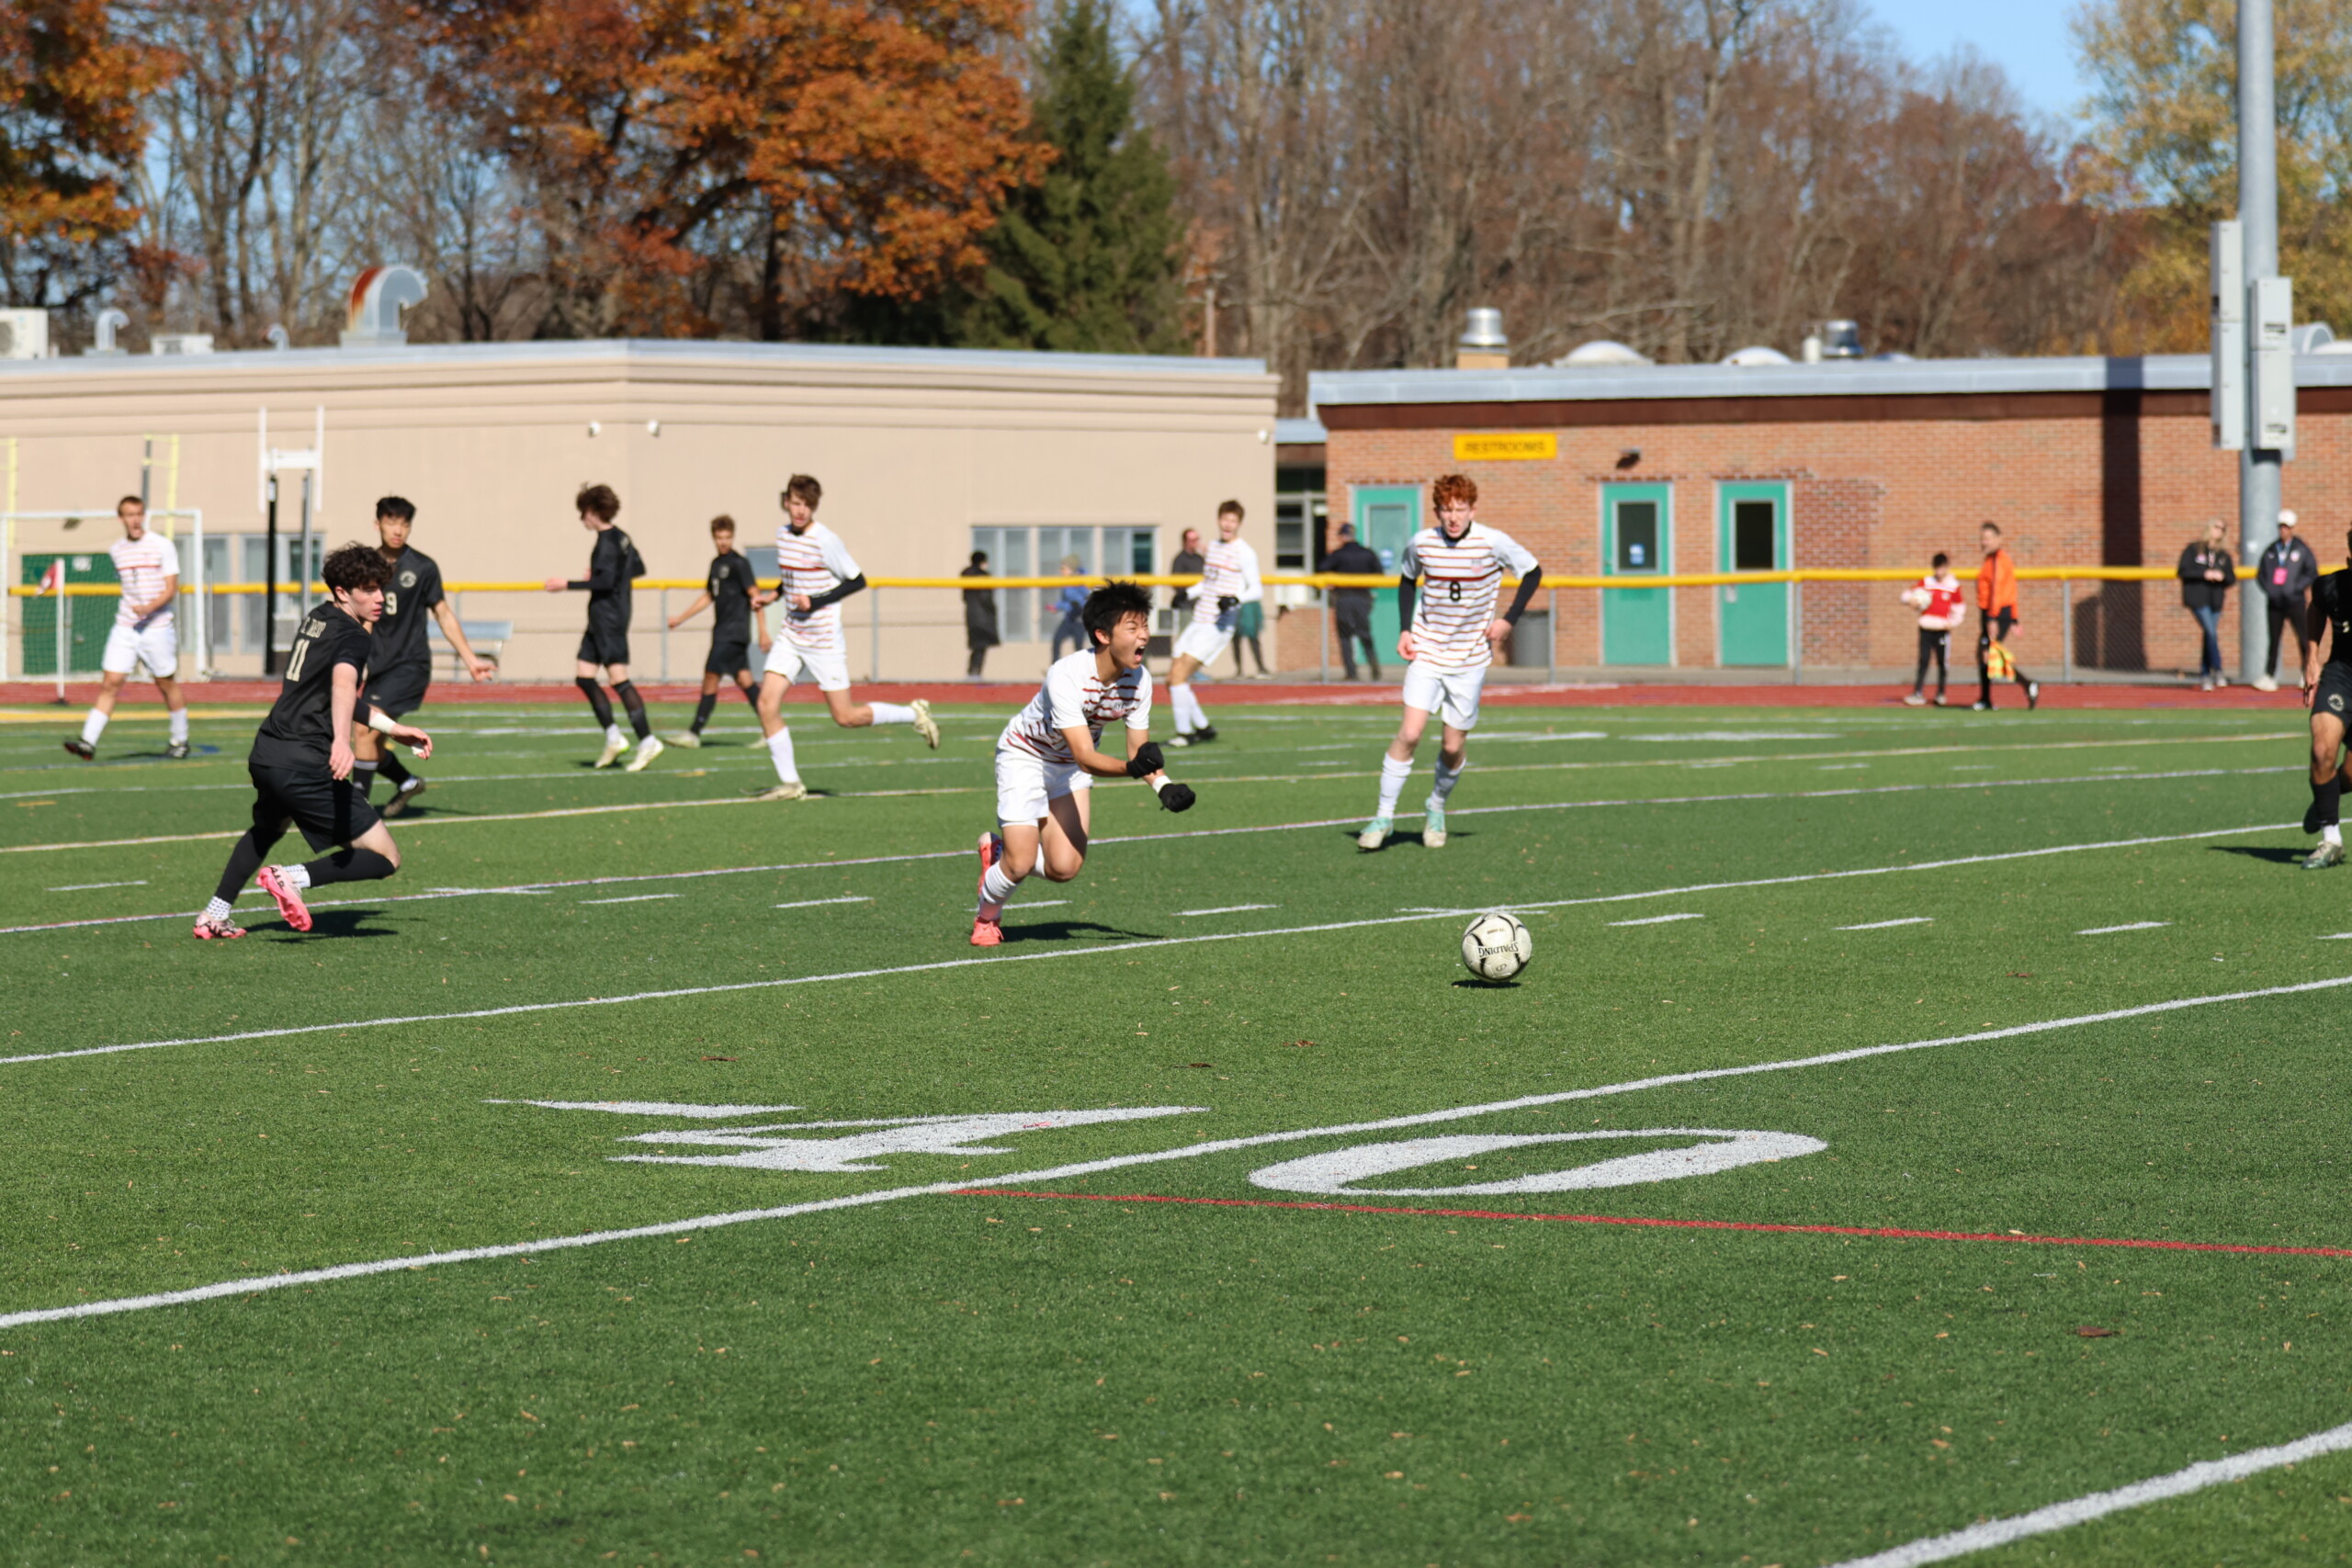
{"type": "Point", "coordinates": [1996, 603]}
{"type": "Point", "coordinates": [1942, 604]}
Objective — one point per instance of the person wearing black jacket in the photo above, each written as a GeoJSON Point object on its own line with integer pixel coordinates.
{"type": "Point", "coordinates": [614, 566]}
{"type": "Point", "coordinates": [980, 616]}
{"type": "Point", "coordinates": [1187, 562]}
{"type": "Point", "coordinates": [1351, 608]}
{"type": "Point", "coordinates": [2287, 573]}
{"type": "Point", "coordinates": [2208, 571]}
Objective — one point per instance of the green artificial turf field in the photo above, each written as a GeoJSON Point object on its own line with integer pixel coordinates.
{"type": "Point", "coordinates": [1230, 1321]}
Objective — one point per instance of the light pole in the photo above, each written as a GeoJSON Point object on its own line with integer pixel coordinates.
{"type": "Point", "coordinates": [2268, 377]}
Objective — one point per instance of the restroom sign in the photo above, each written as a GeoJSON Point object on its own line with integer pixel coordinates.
{"type": "Point", "coordinates": [1504, 448]}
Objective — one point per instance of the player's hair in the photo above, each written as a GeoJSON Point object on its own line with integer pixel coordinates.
{"type": "Point", "coordinates": [722, 522]}
{"type": "Point", "coordinates": [138, 501]}
{"type": "Point", "coordinates": [1454, 489]}
{"type": "Point", "coordinates": [1989, 523]}
{"type": "Point", "coordinates": [598, 502]}
{"type": "Point", "coordinates": [1230, 506]}
{"type": "Point", "coordinates": [1110, 604]}
{"type": "Point", "coordinates": [1941, 560]}
{"type": "Point", "coordinates": [356, 566]}
{"type": "Point", "coordinates": [397, 506]}
{"type": "Point", "coordinates": [804, 487]}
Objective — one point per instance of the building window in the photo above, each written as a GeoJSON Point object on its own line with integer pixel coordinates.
{"type": "Point", "coordinates": [1026, 614]}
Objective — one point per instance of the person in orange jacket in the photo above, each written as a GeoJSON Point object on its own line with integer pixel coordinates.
{"type": "Point", "coordinates": [1997, 602]}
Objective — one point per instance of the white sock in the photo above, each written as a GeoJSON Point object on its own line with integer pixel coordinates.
{"type": "Point", "coordinates": [780, 752]}
{"type": "Point", "coordinates": [1187, 707]}
{"type": "Point", "coordinates": [613, 736]}
{"type": "Point", "coordinates": [1443, 789]}
{"type": "Point", "coordinates": [93, 724]}
{"type": "Point", "coordinates": [1393, 774]}
{"type": "Point", "coordinates": [179, 725]}
{"type": "Point", "coordinates": [2331, 834]}
{"type": "Point", "coordinates": [996, 891]}
{"type": "Point", "coordinates": [295, 876]}
{"type": "Point", "coordinates": [892, 713]}
{"type": "Point", "coordinates": [217, 909]}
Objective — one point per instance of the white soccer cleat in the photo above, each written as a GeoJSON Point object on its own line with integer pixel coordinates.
{"type": "Point", "coordinates": [646, 750]}
{"type": "Point", "coordinates": [687, 739]}
{"type": "Point", "coordinates": [2265, 684]}
{"type": "Point", "coordinates": [925, 725]}
{"type": "Point", "coordinates": [791, 790]}
{"type": "Point", "coordinates": [612, 752]}
{"type": "Point", "coordinates": [1433, 827]}
{"type": "Point", "coordinates": [1374, 834]}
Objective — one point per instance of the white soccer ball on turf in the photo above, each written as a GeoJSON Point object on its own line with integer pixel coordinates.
{"type": "Point", "coordinates": [1496, 947]}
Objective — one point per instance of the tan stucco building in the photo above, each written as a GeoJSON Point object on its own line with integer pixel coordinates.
{"type": "Point", "coordinates": [923, 453]}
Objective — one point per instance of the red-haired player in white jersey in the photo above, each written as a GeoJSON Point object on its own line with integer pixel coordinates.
{"type": "Point", "coordinates": [1229, 580]}
{"type": "Point", "coordinates": [815, 573]}
{"type": "Point", "coordinates": [1050, 755]}
{"type": "Point", "coordinates": [148, 565]}
{"type": "Point", "coordinates": [1449, 642]}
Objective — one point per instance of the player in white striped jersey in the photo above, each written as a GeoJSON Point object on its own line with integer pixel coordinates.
{"type": "Point", "coordinates": [1228, 581]}
{"type": "Point", "coordinates": [815, 573]}
{"type": "Point", "coordinates": [1449, 642]}
{"type": "Point", "coordinates": [148, 566]}
{"type": "Point", "coordinates": [1050, 755]}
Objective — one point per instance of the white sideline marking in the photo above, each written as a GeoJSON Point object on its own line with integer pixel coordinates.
{"type": "Point", "coordinates": [1656, 920]}
{"type": "Point", "coordinates": [1881, 925]}
{"type": "Point", "coordinates": [89, 886]}
{"type": "Point", "coordinates": [2337, 936]}
{"type": "Point", "coordinates": [1118, 947]}
{"type": "Point", "coordinates": [631, 899]}
{"type": "Point", "coordinates": [1155, 837]}
{"type": "Point", "coordinates": [255, 1283]}
{"type": "Point", "coordinates": [2099, 1505]}
{"type": "Point", "coordinates": [812, 903]}
{"type": "Point", "coordinates": [1042, 903]}
{"type": "Point", "coordinates": [2133, 925]}
{"type": "Point", "coordinates": [1225, 909]}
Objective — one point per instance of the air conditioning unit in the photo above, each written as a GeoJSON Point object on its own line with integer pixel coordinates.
{"type": "Point", "coordinates": [181, 343]}
{"type": "Point", "coordinates": [24, 334]}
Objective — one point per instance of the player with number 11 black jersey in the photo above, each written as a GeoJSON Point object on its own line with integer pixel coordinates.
{"type": "Point", "coordinates": [2327, 687]}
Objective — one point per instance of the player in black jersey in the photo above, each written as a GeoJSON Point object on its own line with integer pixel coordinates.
{"type": "Point", "coordinates": [400, 660]}
{"type": "Point", "coordinates": [727, 589]}
{"type": "Point", "coordinates": [302, 759]}
{"type": "Point", "coordinates": [2327, 688]}
{"type": "Point", "coordinates": [612, 565]}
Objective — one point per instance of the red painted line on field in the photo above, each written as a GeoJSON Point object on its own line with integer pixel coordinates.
{"type": "Point", "coordinates": [1882, 1231]}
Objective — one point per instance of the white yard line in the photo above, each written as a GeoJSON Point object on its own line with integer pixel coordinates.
{"type": "Point", "coordinates": [255, 1283]}
{"type": "Point", "coordinates": [2099, 1505]}
{"type": "Point", "coordinates": [1656, 920]}
{"type": "Point", "coordinates": [2133, 925]}
{"type": "Point", "coordinates": [1407, 919]}
{"type": "Point", "coordinates": [812, 903]}
{"type": "Point", "coordinates": [93, 886]}
{"type": "Point", "coordinates": [631, 899]}
{"type": "Point", "coordinates": [1883, 925]}
{"type": "Point", "coordinates": [1225, 910]}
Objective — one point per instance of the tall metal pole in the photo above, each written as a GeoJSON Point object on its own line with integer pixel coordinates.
{"type": "Point", "coordinates": [269, 580]}
{"type": "Point", "coordinates": [2259, 467]}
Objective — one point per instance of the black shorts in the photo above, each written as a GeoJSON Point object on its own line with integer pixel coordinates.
{"type": "Point", "coordinates": [604, 642]}
{"type": "Point", "coordinates": [399, 692]}
{"type": "Point", "coordinates": [730, 657]}
{"type": "Point", "coordinates": [328, 811]}
{"type": "Point", "coordinates": [2334, 695]}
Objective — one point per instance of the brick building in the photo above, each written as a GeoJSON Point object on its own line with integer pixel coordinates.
{"type": "Point", "coordinates": [1640, 470]}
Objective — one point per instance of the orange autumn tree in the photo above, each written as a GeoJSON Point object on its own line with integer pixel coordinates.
{"type": "Point", "coordinates": [70, 131]}
{"type": "Point", "coordinates": [700, 161]}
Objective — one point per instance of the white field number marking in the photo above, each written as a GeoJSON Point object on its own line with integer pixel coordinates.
{"type": "Point", "coordinates": [1337, 1171]}
{"type": "Point", "coordinates": [2133, 925]}
{"type": "Point", "coordinates": [959, 1135]}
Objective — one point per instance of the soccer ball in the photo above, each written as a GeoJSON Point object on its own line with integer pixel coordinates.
{"type": "Point", "coordinates": [1916, 597]}
{"type": "Point", "coordinates": [1496, 947]}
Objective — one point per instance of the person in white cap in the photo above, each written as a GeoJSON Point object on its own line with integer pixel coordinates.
{"type": "Point", "coordinates": [2287, 573]}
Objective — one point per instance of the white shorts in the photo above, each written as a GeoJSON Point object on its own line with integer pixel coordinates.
{"type": "Point", "coordinates": [1449, 691]}
{"type": "Point", "coordinates": [1204, 640]}
{"type": "Point", "coordinates": [828, 667]}
{"type": "Point", "coordinates": [1026, 783]}
{"type": "Point", "coordinates": [156, 645]}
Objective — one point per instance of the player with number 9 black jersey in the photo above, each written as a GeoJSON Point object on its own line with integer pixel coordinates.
{"type": "Point", "coordinates": [729, 590]}
{"type": "Point", "coordinates": [401, 662]}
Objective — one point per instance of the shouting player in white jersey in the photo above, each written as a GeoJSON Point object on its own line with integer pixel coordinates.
{"type": "Point", "coordinates": [1449, 642]}
{"type": "Point", "coordinates": [144, 631]}
{"type": "Point", "coordinates": [1050, 755]}
{"type": "Point", "coordinates": [815, 573]}
{"type": "Point", "coordinates": [1228, 581]}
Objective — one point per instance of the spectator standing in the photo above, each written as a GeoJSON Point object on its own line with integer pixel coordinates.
{"type": "Point", "coordinates": [1942, 604]}
{"type": "Point", "coordinates": [1351, 608]}
{"type": "Point", "coordinates": [2287, 573]}
{"type": "Point", "coordinates": [1997, 600]}
{"type": "Point", "coordinates": [1188, 562]}
{"type": "Point", "coordinates": [1069, 602]}
{"type": "Point", "coordinates": [2208, 571]}
{"type": "Point", "coordinates": [1248, 621]}
{"type": "Point", "coordinates": [980, 617]}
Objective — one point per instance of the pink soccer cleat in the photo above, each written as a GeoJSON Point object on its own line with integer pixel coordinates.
{"type": "Point", "coordinates": [208, 929]}
{"type": "Point", "coordinates": [289, 898]}
{"type": "Point", "coordinates": [987, 933]}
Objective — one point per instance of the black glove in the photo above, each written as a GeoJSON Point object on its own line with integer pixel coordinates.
{"type": "Point", "coordinates": [1226, 602]}
{"type": "Point", "coordinates": [1177, 797]}
{"type": "Point", "coordinates": [1147, 761]}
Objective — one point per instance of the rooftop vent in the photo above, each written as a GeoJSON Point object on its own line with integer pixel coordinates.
{"type": "Point", "coordinates": [1757, 353]}
{"type": "Point", "coordinates": [1603, 352]}
{"type": "Point", "coordinates": [180, 342]}
{"type": "Point", "coordinates": [378, 298]}
{"type": "Point", "coordinates": [1482, 345]}
{"type": "Point", "coordinates": [1840, 340]}
{"type": "Point", "coordinates": [24, 334]}
{"type": "Point", "coordinates": [2311, 337]}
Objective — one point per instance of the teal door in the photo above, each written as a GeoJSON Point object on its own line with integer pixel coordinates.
{"type": "Point", "coordinates": [88, 616]}
{"type": "Point", "coordinates": [1636, 540]}
{"type": "Point", "coordinates": [1386, 518]}
{"type": "Point", "coordinates": [1752, 534]}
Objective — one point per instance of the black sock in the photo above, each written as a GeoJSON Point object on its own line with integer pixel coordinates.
{"type": "Point", "coordinates": [395, 771]}
{"type": "Point", "coordinates": [597, 701]}
{"type": "Point", "coordinates": [751, 695]}
{"type": "Point", "coordinates": [363, 775]}
{"type": "Point", "coordinates": [2329, 797]}
{"type": "Point", "coordinates": [703, 710]}
{"type": "Point", "coordinates": [243, 861]}
{"type": "Point", "coordinates": [349, 865]}
{"type": "Point", "coordinates": [626, 692]}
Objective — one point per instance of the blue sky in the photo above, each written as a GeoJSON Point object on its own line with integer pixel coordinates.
{"type": "Point", "coordinates": [2027, 38]}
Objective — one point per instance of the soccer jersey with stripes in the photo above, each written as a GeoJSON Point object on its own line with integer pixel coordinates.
{"type": "Point", "coordinates": [1462, 581]}
{"type": "Point", "coordinates": [1228, 570]}
{"type": "Point", "coordinates": [143, 564]}
{"type": "Point", "coordinates": [814, 563]}
{"type": "Point", "coordinates": [1076, 694]}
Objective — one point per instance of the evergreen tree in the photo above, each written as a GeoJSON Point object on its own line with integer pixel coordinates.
{"type": "Point", "coordinates": [1086, 260]}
